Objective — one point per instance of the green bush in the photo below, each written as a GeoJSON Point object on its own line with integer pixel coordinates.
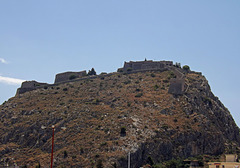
{"type": "Point", "coordinates": [150, 160]}
{"type": "Point", "coordinates": [99, 164]}
{"type": "Point", "coordinates": [165, 81]}
{"type": "Point", "coordinates": [38, 166]}
{"type": "Point", "coordinates": [65, 155]}
{"type": "Point", "coordinates": [165, 126]}
{"type": "Point", "coordinates": [186, 67]}
{"type": "Point", "coordinates": [153, 75]}
{"type": "Point", "coordinates": [137, 90]}
{"type": "Point", "coordinates": [127, 82]}
{"type": "Point", "coordinates": [139, 95]}
{"type": "Point", "coordinates": [120, 70]}
{"type": "Point", "coordinates": [123, 131]}
{"type": "Point", "coordinates": [171, 75]}
{"type": "Point", "coordinates": [156, 87]}
{"type": "Point", "coordinates": [129, 69]}
{"type": "Point", "coordinates": [72, 77]}
{"type": "Point", "coordinates": [96, 101]}
{"type": "Point", "coordinates": [103, 144]}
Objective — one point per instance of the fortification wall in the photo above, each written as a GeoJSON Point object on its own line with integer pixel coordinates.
{"type": "Point", "coordinates": [145, 65]}
{"type": "Point", "coordinates": [32, 84]}
{"type": "Point", "coordinates": [176, 86]}
{"type": "Point", "coordinates": [29, 86]}
{"type": "Point", "coordinates": [67, 76]}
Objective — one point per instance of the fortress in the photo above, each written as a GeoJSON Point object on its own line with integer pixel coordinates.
{"type": "Point", "coordinates": [176, 85]}
{"type": "Point", "coordinates": [145, 65]}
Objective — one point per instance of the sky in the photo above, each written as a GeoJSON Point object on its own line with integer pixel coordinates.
{"type": "Point", "coordinates": [39, 39]}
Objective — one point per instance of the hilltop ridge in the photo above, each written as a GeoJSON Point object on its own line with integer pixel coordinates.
{"type": "Point", "coordinates": [156, 114]}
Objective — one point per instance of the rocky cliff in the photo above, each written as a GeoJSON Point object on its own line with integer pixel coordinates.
{"type": "Point", "coordinates": [107, 117]}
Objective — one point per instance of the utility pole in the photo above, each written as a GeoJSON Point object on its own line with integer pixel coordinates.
{"type": "Point", "coordinates": [52, 145]}
{"type": "Point", "coordinates": [129, 159]}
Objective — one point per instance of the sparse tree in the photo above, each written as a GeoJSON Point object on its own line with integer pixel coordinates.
{"type": "Point", "coordinates": [65, 155]}
{"type": "Point", "coordinates": [92, 72]}
{"type": "Point", "coordinates": [150, 160]}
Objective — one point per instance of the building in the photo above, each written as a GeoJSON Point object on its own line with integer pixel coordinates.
{"type": "Point", "coordinates": [231, 162]}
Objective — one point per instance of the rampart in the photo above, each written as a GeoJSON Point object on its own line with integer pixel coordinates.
{"type": "Point", "coordinates": [68, 76]}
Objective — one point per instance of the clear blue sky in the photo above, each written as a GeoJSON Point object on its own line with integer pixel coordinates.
{"type": "Point", "coordinates": [39, 39]}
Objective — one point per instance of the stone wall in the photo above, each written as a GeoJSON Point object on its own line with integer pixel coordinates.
{"type": "Point", "coordinates": [176, 86]}
{"type": "Point", "coordinates": [67, 76]}
{"type": "Point", "coordinates": [145, 65]}
{"type": "Point", "coordinates": [29, 86]}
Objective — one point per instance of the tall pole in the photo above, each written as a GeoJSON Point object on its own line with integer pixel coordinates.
{"type": "Point", "coordinates": [129, 159]}
{"type": "Point", "coordinates": [52, 145]}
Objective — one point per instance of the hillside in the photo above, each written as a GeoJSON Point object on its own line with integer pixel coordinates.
{"type": "Point", "coordinates": [108, 116]}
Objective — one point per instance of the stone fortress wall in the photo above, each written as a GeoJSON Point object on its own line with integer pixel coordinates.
{"type": "Point", "coordinates": [61, 77]}
{"type": "Point", "coordinates": [29, 86]}
{"type": "Point", "coordinates": [176, 84]}
{"type": "Point", "coordinates": [145, 65]}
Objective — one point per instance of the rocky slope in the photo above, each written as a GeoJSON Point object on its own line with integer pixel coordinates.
{"type": "Point", "coordinates": [108, 117]}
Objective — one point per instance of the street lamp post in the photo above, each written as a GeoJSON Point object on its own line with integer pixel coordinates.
{"type": "Point", "coordinates": [53, 129]}
{"type": "Point", "coordinates": [129, 160]}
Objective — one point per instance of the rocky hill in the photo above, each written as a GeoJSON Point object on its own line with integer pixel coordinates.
{"type": "Point", "coordinates": [106, 117]}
